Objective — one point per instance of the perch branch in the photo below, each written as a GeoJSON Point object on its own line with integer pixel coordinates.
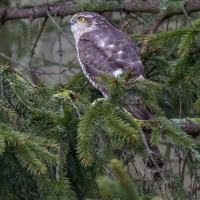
{"type": "Point", "coordinates": [70, 8]}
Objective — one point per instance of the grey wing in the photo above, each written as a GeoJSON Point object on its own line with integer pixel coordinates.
{"type": "Point", "coordinates": [112, 52]}
{"type": "Point", "coordinates": [93, 64]}
{"type": "Point", "coordinates": [118, 50]}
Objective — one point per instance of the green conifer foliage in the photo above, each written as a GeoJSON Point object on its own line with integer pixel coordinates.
{"type": "Point", "coordinates": [121, 186]}
{"type": "Point", "coordinates": [183, 71]}
{"type": "Point", "coordinates": [56, 142]}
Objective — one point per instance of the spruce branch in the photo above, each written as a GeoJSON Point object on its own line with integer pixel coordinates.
{"type": "Point", "coordinates": [177, 189]}
{"type": "Point", "coordinates": [165, 37]}
{"type": "Point", "coordinates": [86, 131]}
{"type": "Point", "coordinates": [179, 137]}
{"type": "Point", "coordinates": [121, 187]}
{"type": "Point", "coordinates": [2, 144]}
{"type": "Point", "coordinates": [118, 128]}
{"type": "Point", "coordinates": [26, 150]}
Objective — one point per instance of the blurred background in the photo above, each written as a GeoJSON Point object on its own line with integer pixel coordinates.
{"type": "Point", "coordinates": [52, 58]}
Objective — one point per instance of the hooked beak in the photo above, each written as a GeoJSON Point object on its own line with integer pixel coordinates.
{"type": "Point", "coordinates": [71, 22]}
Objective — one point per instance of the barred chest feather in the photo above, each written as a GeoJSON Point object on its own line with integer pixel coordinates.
{"type": "Point", "coordinates": [89, 76]}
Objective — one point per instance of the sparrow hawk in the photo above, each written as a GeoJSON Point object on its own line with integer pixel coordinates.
{"type": "Point", "coordinates": [103, 48]}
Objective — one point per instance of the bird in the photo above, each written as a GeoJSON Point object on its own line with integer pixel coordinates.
{"type": "Point", "coordinates": [102, 48]}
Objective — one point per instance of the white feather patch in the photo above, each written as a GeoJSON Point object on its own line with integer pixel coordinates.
{"type": "Point", "coordinates": [117, 72]}
{"type": "Point", "coordinates": [102, 44]}
{"type": "Point", "coordinates": [140, 77]}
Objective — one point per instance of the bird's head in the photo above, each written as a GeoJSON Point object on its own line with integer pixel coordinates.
{"type": "Point", "coordinates": [86, 22]}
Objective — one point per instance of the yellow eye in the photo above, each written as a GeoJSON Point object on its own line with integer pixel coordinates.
{"type": "Point", "coordinates": [81, 19]}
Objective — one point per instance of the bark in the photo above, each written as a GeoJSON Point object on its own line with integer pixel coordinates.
{"type": "Point", "coordinates": [69, 8]}
{"type": "Point", "coordinates": [190, 126]}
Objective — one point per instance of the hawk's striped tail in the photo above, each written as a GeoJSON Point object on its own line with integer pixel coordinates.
{"type": "Point", "coordinates": [154, 162]}
{"type": "Point", "coordinates": [143, 113]}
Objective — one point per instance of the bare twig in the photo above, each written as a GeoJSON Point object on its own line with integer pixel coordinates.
{"type": "Point", "coordinates": [179, 163]}
{"type": "Point", "coordinates": [77, 111]}
{"type": "Point", "coordinates": [157, 167]}
{"type": "Point", "coordinates": [33, 75]}
{"type": "Point", "coordinates": [187, 17]}
{"type": "Point", "coordinates": [60, 51]}
{"type": "Point", "coordinates": [58, 27]}
{"type": "Point", "coordinates": [13, 61]}
{"type": "Point", "coordinates": [73, 104]}
{"type": "Point", "coordinates": [20, 99]}
{"type": "Point", "coordinates": [38, 71]}
{"type": "Point", "coordinates": [159, 19]}
{"type": "Point", "coordinates": [1, 86]}
{"type": "Point", "coordinates": [38, 37]}
{"type": "Point", "coordinates": [184, 165]}
{"type": "Point", "coordinates": [125, 25]}
{"type": "Point", "coordinates": [58, 163]}
{"type": "Point", "coordinates": [2, 15]}
{"type": "Point", "coordinates": [29, 37]}
{"type": "Point", "coordinates": [43, 72]}
{"type": "Point", "coordinates": [108, 172]}
{"type": "Point", "coordinates": [180, 108]}
{"type": "Point", "coordinates": [160, 189]}
{"type": "Point", "coordinates": [139, 18]}
{"type": "Point", "coordinates": [22, 43]}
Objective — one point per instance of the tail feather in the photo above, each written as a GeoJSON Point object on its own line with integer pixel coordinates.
{"type": "Point", "coordinates": [155, 160]}
{"type": "Point", "coordinates": [141, 112]}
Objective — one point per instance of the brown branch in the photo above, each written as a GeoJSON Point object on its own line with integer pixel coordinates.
{"type": "Point", "coordinates": [190, 126]}
{"type": "Point", "coordinates": [69, 8]}
{"type": "Point", "coordinates": [159, 19]}
{"type": "Point", "coordinates": [125, 25]}
{"type": "Point", "coordinates": [186, 9]}
{"type": "Point", "coordinates": [140, 19]}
